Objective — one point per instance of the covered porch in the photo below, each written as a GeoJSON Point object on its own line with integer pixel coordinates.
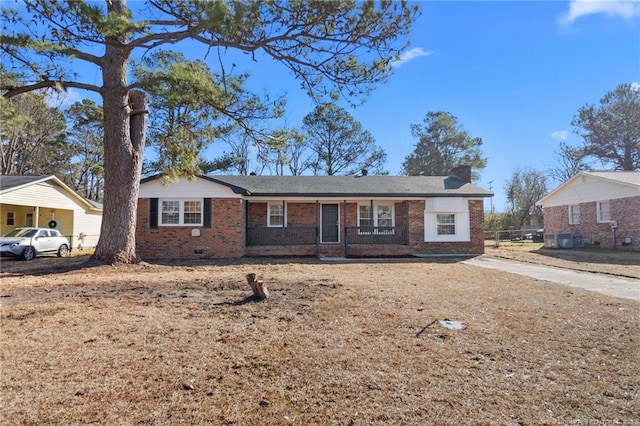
{"type": "Point", "coordinates": [326, 227]}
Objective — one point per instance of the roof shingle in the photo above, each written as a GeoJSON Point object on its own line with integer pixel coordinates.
{"type": "Point", "coordinates": [338, 186]}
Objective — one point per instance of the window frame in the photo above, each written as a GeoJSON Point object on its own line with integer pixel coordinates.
{"type": "Point", "coordinates": [445, 224]}
{"type": "Point", "coordinates": [200, 212]}
{"type": "Point", "coordinates": [12, 218]}
{"type": "Point", "coordinates": [599, 211]}
{"type": "Point", "coordinates": [281, 205]}
{"type": "Point", "coordinates": [574, 214]}
{"type": "Point", "coordinates": [181, 211]}
{"type": "Point", "coordinates": [375, 218]}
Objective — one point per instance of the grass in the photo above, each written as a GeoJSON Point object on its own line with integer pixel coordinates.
{"type": "Point", "coordinates": [335, 344]}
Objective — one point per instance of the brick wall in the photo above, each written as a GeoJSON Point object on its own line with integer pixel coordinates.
{"type": "Point", "coordinates": [625, 210]}
{"type": "Point", "coordinates": [225, 238]}
{"type": "Point", "coordinates": [476, 231]}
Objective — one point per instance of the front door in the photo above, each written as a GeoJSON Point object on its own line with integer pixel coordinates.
{"type": "Point", "coordinates": [329, 223]}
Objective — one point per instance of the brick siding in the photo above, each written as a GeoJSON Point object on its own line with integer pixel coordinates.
{"type": "Point", "coordinates": [625, 210]}
{"type": "Point", "coordinates": [226, 237]}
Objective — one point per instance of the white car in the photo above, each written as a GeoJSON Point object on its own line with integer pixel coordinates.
{"type": "Point", "coordinates": [27, 243]}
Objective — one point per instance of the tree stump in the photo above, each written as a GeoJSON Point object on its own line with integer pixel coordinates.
{"type": "Point", "coordinates": [259, 289]}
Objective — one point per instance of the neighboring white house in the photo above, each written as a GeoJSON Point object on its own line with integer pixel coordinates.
{"type": "Point", "coordinates": [599, 206]}
{"type": "Point", "coordinates": [45, 201]}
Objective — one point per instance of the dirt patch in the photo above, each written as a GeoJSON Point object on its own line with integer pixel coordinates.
{"type": "Point", "coordinates": [336, 343]}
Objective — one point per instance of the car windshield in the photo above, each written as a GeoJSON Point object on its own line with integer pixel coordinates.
{"type": "Point", "coordinates": [22, 232]}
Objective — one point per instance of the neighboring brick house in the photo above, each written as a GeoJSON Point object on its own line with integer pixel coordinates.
{"type": "Point", "coordinates": [599, 206]}
{"type": "Point", "coordinates": [324, 216]}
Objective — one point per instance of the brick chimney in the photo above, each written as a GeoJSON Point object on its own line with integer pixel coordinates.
{"type": "Point", "coordinates": [463, 173]}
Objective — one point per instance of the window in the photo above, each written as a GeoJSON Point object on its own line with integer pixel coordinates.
{"type": "Point", "coordinates": [365, 221]}
{"type": "Point", "coordinates": [192, 212]}
{"type": "Point", "coordinates": [574, 215]}
{"type": "Point", "coordinates": [446, 224]}
{"type": "Point", "coordinates": [603, 209]}
{"type": "Point", "coordinates": [381, 222]}
{"type": "Point", "coordinates": [276, 215]}
{"type": "Point", "coordinates": [181, 212]}
{"type": "Point", "coordinates": [170, 213]}
{"type": "Point", "coordinates": [28, 219]}
{"type": "Point", "coordinates": [11, 218]}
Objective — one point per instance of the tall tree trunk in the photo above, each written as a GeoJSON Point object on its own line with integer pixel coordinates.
{"type": "Point", "coordinates": [124, 139]}
{"type": "Point", "coordinates": [123, 148]}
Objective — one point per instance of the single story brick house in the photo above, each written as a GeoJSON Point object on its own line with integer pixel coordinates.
{"type": "Point", "coordinates": [324, 216]}
{"type": "Point", "coordinates": [598, 206]}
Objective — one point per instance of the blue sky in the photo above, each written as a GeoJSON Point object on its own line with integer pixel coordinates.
{"type": "Point", "coordinates": [513, 73]}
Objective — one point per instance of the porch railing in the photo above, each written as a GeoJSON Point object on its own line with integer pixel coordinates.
{"type": "Point", "coordinates": [376, 235]}
{"type": "Point", "coordinates": [282, 236]}
{"type": "Point", "coordinates": [301, 235]}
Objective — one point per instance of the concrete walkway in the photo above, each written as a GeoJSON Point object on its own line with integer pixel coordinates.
{"type": "Point", "coordinates": [626, 288]}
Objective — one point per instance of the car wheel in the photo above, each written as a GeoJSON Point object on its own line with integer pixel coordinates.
{"type": "Point", "coordinates": [29, 253]}
{"type": "Point", "coordinates": [63, 251]}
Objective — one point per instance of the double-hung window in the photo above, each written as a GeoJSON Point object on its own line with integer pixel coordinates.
{"type": "Point", "coordinates": [446, 224]}
{"type": "Point", "coordinates": [192, 212]}
{"type": "Point", "coordinates": [574, 215]}
{"type": "Point", "coordinates": [11, 218]}
{"type": "Point", "coordinates": [181, 212]}
{"type": "Point", "coordinates": [275, 215]}
{"type": "Point", "coordinates": [380, 220]}
{"type": "Point", "coordinates": [603, 211]}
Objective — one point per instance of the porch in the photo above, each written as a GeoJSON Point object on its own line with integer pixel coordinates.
{"type": "Point", "coordinates": [324, 228]}
{"type": "Point", "coordinates": [307, 241]}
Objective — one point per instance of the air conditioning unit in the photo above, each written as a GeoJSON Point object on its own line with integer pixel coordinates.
{"type": "Point", "coordinates": [564, 241]}
{"type": "Point", "coordinates": [578, 241]}
{"type": "Point", "coordinates": [550, 241]}
{"type": "Point", "coordinates": [558, 240]}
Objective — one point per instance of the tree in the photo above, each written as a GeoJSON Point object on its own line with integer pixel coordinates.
{"type": "Point", "coordinates": [337, 48]}
{"type": "Point", "coordinates": [86, 171]}
{"type": "Point", "coordinates": [523, 190]}
{"type": "Point", "coordinates": [190, 107]}
{"type": "Point", "coordinates": [442, 145]}
{"type": "Point", "coordinates": [571, 161]}
{"type": "Point", "coordinates": [32, 135]}
{"type": "Point", "coordinates": [339, 143]}
{"type": "Point", "coordinates": [240, 144]}
{"type": "Point", "coordinates": [611, 131]}
{"type": "Point", "coordinates": [284, 150]}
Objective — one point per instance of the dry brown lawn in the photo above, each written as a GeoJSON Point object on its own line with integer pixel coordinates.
{"type": "Point", "coordinates": [335, 344]}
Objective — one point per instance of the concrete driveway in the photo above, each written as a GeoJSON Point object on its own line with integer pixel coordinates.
{"type": "Point", "coordinates": [626, 288]}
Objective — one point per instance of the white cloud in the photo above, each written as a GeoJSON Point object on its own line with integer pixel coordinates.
{"type": "Point", "coordinates": [411, 54]}
{"type": "Point", "coordinates": [626, 9]}
{"type": "Point", "coordinates": [635, 86]}
{"type": "Point", "coordinates": [560, 135]}
{"type": "Point", "coordinates": [63, 99]}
